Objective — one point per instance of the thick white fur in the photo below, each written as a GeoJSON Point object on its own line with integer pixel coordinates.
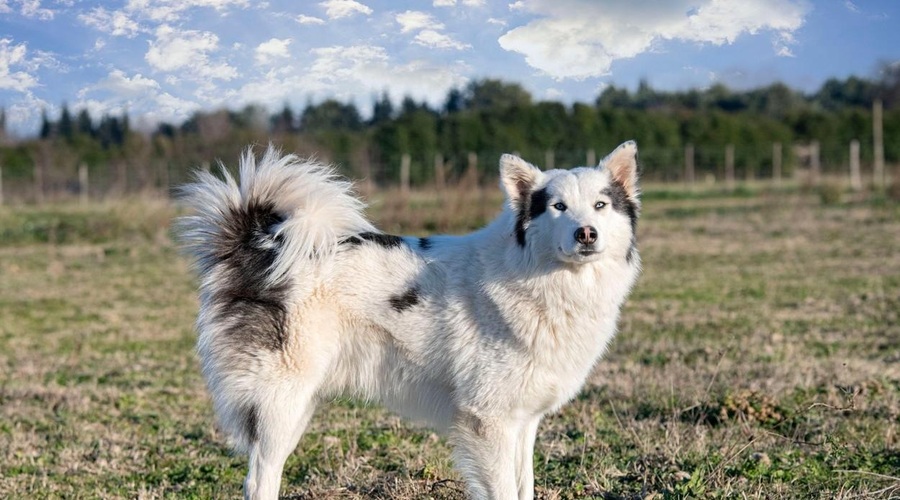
{"type": "Point", "coordinates": [501, 333]}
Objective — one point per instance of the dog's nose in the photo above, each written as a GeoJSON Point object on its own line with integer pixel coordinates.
{"type": "Point", "coordinates": [586, 235]}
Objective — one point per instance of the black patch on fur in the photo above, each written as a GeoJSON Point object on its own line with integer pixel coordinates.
{"type": "Point", "coordinates": [633, 248]}
{"type": "Point", "coordinates": [406, 301]}
{"type": "Point", "coordinates": [384, 240]}
{"type": "Point", "coordinates": [251, 422]}
{"type": "Point", "coordinates": [424, 243]}
{"type": "Point", "coordinates": [622, 203]}
{"type": "Point", "coordinates": [530, 206]}
{"type": "Point", "coordinates": [247, 249]}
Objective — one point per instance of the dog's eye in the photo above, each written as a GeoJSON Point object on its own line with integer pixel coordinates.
{"type": "Point", "coordinates": [560, 206]}
{"type": "Point", "coordinates": [599, 205]}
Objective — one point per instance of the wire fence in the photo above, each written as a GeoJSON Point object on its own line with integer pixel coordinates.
{"type": "Point", "coordinates": [723, 165]}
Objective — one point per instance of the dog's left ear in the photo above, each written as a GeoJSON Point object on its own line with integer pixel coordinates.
{"type": "Point", "coordinates": [622, 165]}
{"type": "Point", "coordinates": [518, 178]}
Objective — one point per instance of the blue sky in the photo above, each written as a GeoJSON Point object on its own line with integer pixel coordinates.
{"type": "Point", "coordinates": [162, 60]}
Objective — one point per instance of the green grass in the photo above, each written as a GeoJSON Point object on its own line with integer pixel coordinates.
{"type": "Point", "coordinates": [759, 356]}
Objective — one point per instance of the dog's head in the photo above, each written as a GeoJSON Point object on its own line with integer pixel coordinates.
{"type": "Point", "coordinates": [579, 215]}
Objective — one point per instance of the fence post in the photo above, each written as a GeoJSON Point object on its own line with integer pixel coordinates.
{"type": "Point", "coordinates": [729, 166]}
{"type": "Point", "coordinates": [591, 158]}
{"type": "Point", "coordinates": [1, 185]}
{"type": "Point", "coordinates": [83, 184]}
{"type": "Point", "coordinates": [814, 165]}
{"type": "Point", "coordinates": [404, 173]}
{"type": "Point", "coordinates": [776, 163]}
{"type": "Point", "coordinates": [689, 164]}
{"type": "Point", "coordinates": [472, 168]}
{"type": "Point", "coordinates": [855, 179]}
{"type": "Point", "coordinates": [549, 160]}
{"type": "Point", "coordinates": [878, 143]}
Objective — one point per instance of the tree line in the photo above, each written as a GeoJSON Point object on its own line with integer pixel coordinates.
{"type": "Point", "coordinates": [487, 117]}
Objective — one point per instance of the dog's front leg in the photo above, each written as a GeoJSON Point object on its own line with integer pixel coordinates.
{"type": "Point", "coordinates": [525, 458]}
{"type": "Point", "coordinates": [485, 454]}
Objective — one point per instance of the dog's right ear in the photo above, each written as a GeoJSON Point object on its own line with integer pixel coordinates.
{"type": "Point", "coordinates": [518, 178]}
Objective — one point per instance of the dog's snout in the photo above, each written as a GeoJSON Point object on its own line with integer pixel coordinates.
{"type": "Point", "coordinates": [586, 235]}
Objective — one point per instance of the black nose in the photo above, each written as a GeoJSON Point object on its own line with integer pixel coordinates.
{"type": "Point", "coordinates": [586, 235]}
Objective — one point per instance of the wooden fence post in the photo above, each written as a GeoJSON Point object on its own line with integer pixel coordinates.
{"type": "Point", "coordinates": [689, 164]}
{"type": "Point", "coordinates": [776, 163]}
{"type": "Point", "coordinates": [83, 184]}
{"type": "Point", "coordinates": [855, 178]}
{"type": "Point", "coordinates": [1, 185]}
{"type": "Point", "coordinates": [815, 167]}
{"type": "Point", "coordinates": [591, 158]}
{"type": "Point", "coordinates": [549, 160]}
{"type": "Point", "coordinates": [472, 168]}
{"type": "Point", "coordinates": [729, 166]}
{"type": "Point", "coordinates": [405, 161]}
{"type": "Point", "coordinates": [878, 143]}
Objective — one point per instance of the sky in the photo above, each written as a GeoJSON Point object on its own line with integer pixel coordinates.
{"type": "Point", "coordinates": [163, 60]}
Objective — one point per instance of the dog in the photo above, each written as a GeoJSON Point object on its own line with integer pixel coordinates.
{"type": "Point", "coordinates": [478, 336]}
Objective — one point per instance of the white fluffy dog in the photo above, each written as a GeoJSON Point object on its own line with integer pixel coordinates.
{"type": "Point", "coordinates": [479, 336]}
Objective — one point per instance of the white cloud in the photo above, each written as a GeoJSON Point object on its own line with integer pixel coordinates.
{"type": "Point", "coordinates": [303, 19]}
{"type": "Point", "coordinates": [429, 30]}
{"type": "Point", "coordinates": [14, 56]}
{"type": "Point", "coordinates": [348, 72]}
{"type": "Point", "coordinates": [171, 10]}
{"type": "Point", "coordinates": [4, 7]}
{"type": "Point", "coordinates": [436, 40]}
{"type": "Point", "coordinates": [852, 7]}
{"type": "Point", "coordinates": [451, 3]}
{"type": "Point", "coordinates": [116, 23]}
{"type": "Point", "coordinates": [582, 38]}
{"type": "Point", "coordinates": [189, 51]}
{"type": "Point", "coordinates": [498, 22]}
{"type": "Point", "coordinates": [23, 114]}
{"type": "Point", "coordinates": [553, 94]}
{"type": "Point", "coordinates": [33, 9]}
{"type": "Point", "coordinates": [337, 9]}
{"type": "Point", "coordinates": [275, 48]}
{"type": "Point", "coordinates": [118, 83]}
{"type": "Point", "coordinates": [412, 20]}
{"type": "Point", "coordinates": [138, 95]}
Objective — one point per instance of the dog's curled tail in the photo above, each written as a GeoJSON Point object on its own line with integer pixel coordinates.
{"type": "Point", "coordinates": [281, 213]}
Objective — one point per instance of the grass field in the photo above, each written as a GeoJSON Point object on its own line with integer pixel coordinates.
{"type": "Point", "coordinates": [759, 356]}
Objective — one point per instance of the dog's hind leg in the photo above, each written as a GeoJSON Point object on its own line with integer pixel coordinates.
{"type": "Point", "coordinates": [279, 423]}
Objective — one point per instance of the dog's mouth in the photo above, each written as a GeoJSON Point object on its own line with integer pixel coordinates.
{"type": "Point", "coordinates": [579, 255]}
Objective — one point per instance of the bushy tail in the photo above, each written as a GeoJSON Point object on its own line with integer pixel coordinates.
{"type": "Point", "coordinates": [283, 212]}
{"type": "Point", "coordinates": [257, 244]}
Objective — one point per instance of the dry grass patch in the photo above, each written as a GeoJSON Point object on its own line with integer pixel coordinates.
{"type": "Point", "coordinates": [759, 356]}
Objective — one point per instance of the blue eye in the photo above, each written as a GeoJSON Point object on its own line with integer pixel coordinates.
{"type": "Point", "coordinates": [599, 205]}
{"type": "Point", "coordinates": [560, 206]}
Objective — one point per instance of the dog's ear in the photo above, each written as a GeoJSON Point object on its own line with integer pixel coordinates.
{"type": "Point", "coordinates": [518, 177]}
{"type": "Point", "coordinates": [622, 165]}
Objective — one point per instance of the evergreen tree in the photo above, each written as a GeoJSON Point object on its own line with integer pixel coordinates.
{"type": "Point", "coordinates": [382, 110]}
{"type": "Point", "coordinates": [85, 125]}
{"type": "Point", "coordinates": [66, 127]}
{"type": "Point", "coordinates": [46, 126]}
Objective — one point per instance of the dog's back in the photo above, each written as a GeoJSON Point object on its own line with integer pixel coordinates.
{"type": "Point", "coordinates": [478, 335]}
